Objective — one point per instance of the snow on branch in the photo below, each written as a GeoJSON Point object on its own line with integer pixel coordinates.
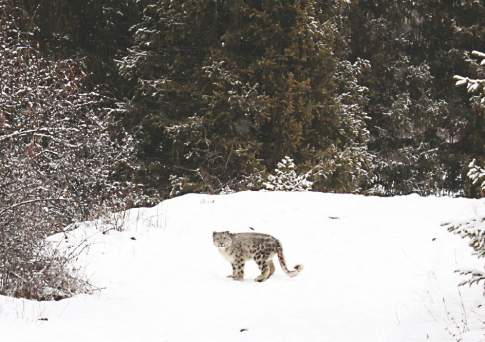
{"type": "Point", "coordinates": [474, 231]}
{"type": "Point", "coordinates": [474, 86]}
{"type": "Point", "coordinates": [285, 178]}
{"type": "Point", "coordinates": [477, 87]}
{"type": "Point", "coordinates": [475, 277]}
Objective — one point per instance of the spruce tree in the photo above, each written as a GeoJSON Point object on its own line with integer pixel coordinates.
{"type": "Point", "coordinates": [224, 90]}
{"type": "Point", "coordinates": [420, 129]}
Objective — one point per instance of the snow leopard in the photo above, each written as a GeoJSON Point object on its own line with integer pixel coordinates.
{"type": "Point", "coordinates": [239, 247]}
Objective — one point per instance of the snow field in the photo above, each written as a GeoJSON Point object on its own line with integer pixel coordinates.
{"type": "Point", "coordinates": [375, 269]}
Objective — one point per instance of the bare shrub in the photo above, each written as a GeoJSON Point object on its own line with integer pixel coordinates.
{"type": "Point", "coordinates": [60, 161]}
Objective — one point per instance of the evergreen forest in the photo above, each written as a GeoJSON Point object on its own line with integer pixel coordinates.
{"type": "Point", "coordinates": [219, 96]}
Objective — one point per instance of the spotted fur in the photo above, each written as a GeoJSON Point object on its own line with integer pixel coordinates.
{"type": "Point", "coordinates": [239, 247]}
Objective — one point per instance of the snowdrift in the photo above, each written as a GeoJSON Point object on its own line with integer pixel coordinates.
{"type": "Point", "coordinates": [375, 269]}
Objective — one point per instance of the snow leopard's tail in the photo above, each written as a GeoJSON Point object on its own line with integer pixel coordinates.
{"type": "Point", "coordinates": [297, 269]}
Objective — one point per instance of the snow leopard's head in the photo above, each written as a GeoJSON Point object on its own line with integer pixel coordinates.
{"type": "Point", "coordinates": [222, 239]}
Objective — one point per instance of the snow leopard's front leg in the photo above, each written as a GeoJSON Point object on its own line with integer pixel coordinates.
{"type": "Point", "coordinates": [237, 268]}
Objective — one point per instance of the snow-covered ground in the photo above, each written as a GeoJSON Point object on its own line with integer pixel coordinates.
{"type": "Point", "coordinates": [375, 269]}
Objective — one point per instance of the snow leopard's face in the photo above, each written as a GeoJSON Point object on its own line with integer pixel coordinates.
{"type": "Point", "coordinates": [222, 239]}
